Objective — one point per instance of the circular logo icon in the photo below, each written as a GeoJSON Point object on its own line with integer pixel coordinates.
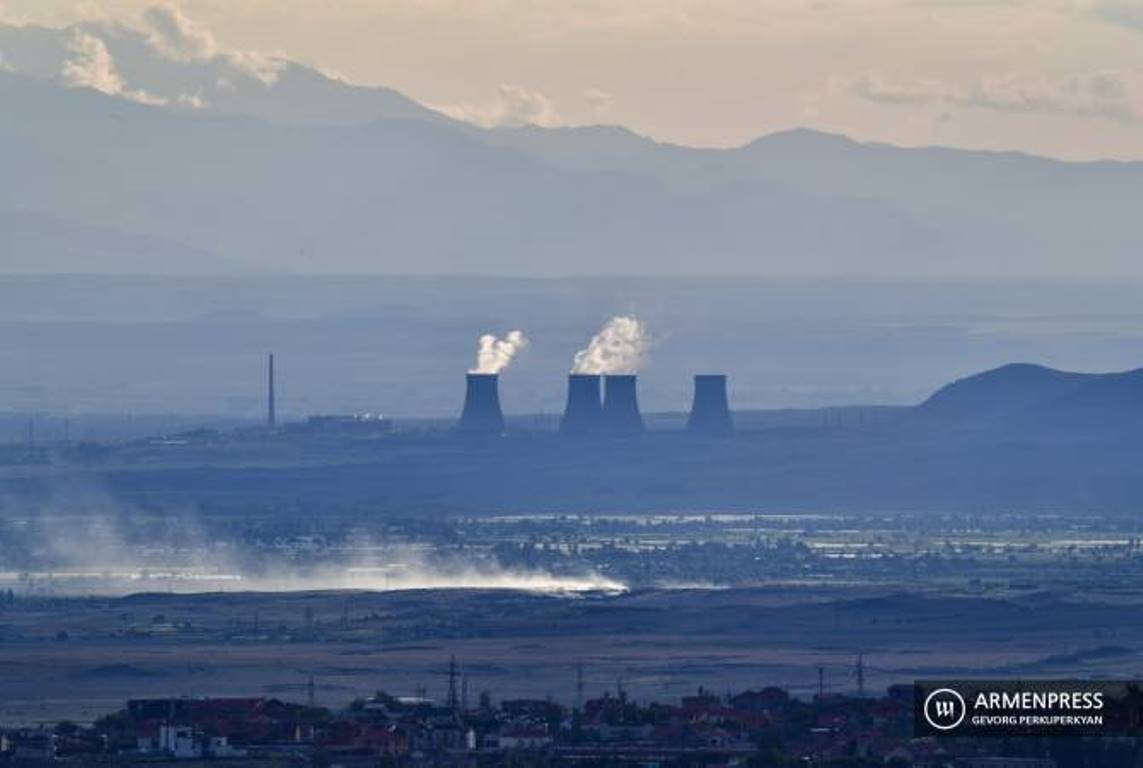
{"type": "Point", "coordinates": [944, 709]}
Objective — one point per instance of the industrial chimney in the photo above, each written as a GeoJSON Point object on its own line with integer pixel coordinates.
{"type": "Point", "coordinates": [584, 412]}
{"type": "Point", "coordinates": [482, 404]}
{"type": "Point", "coordinates": [271, 405]}
{"type": "Point", "coordinates": [621, 405]}
{"type": "Point", "coordinates": [710, 411]}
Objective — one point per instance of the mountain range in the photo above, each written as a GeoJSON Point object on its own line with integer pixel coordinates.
{"type": "Point", "coordinates": [1022, 399]}
{"type": "Point", "coordinates": [126, 151]}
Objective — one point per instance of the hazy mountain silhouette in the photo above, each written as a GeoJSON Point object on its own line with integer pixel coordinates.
{"type": "Point", "coordinates": [271, 165]}
{"type": "Point", "coordinates": [34, 243]}
{"type": "Point", "coordinates": [1021, 399]}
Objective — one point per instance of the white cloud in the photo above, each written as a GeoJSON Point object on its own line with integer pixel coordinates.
{"type": "Point", "coordinates": [176, 36]}
{"type": "Point", "coordinates": [173, 34]}
{"type": "Point", "coordinates": [513, 107]}
{"type": "Point", "coordinates": [600, 102]}
{"type": "Point", "coordinates": [192, 101]}
{"type": "Point", "coordinates": [1127, 13]}
{"type": "Point", "coordinates": [90, 65]}
{"type": "Point", "coordinates": [1101, 94]}
{"type": "Point", "coordinates": [874, 86]}
{"type": "Point", "coordinates": [259, 66]}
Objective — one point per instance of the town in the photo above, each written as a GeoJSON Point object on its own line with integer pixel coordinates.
{"type": "Point", "coordinates": [763, 726]}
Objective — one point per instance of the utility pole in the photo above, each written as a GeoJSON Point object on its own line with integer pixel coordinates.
{"type": "Point", "coordinates": [860, 675]}
{"type": "Point", "coordinates": [452, 692]}
{"type": "Point", "coordinates": [311, 691]}
{"type": "Point", "coordinates": [821, 683]}
{"type": "Point", "coordinates": [579, 686]}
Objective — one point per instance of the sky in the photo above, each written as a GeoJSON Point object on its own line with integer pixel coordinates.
{"type": "Point", "coordinates": [1062, 78]}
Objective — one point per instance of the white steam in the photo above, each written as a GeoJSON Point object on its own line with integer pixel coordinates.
{"type": "Point", "coordinates": [494, 355]}
{"type": "Point", "coordinates": [619, 347]}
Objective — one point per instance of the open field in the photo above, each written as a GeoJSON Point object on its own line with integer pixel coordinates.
{"type": "Point", "coordinates": [658, 643]}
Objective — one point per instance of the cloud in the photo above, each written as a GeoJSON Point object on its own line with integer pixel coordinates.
{"type": "Point", "coordinates": [1093, 95]}
{"type": "Point", "coordinates": [514, 106]}
{"type": "Point", "coordinates": [90, 65]}
{"type": "Point", "coordinates": [1124, 13]}
{"type": "Point", "coordinates": [176, 36]}
{"type": "Point", "coordinates": [1101, 94]}
{"type": "Point", "coordinates": [172, 34]}
{"type": "Point", "coordinates": [873, 86]}
{"type": "Point", "coordinates": [600, 102]}
{"type": "Point", "coordinates": [192, 101]}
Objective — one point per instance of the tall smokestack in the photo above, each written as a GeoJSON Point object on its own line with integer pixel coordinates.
{"type": "Point", "coordinates": [710, 411]}
{"type": "Point", "coordinates": [621, 405]}
{"type": "Point", "coordinates": [482, 404]}
{"type": "Point", "coordinates": [584, 412]}
{"type": "Point", "coordinates": [271, 407]}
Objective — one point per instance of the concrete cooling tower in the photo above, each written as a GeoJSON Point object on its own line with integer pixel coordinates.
{"type": "Point", "coordinates": [482, 412]}
{"type": "Point", "coordinates": [621, 405]}
{"type": "Point", "coordinates": [710, 411]}
{"type": "Point", "coordinates": [584, 412]}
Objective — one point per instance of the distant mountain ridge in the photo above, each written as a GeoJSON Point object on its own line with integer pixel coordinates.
{"type": "Point", "coordinates": [1034, 397]}
{"type": "Point", "coordinates": [269, 165]}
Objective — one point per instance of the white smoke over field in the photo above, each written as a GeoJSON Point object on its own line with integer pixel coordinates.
{"type": "Point", "coordinates": [620, 347]}
{"type": "Point", "coordinates": [112, 552]}
{"type": "Point", "coordinates": [494, 355]}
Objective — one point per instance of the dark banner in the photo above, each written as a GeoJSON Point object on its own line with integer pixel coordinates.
{"type": "Point", "coordinates": [1027, 708]}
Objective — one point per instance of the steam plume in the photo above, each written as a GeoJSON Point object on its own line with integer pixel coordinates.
{"type": "Point", "coordinates": [494, 355]}
{"type": "Point", "coordinates": [619, 347]}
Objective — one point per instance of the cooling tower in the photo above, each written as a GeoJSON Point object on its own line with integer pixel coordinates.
{"type": "Point", "coordinates": [482, 404]}
{"type": "Point", "coordinates": [710, 411]}
{"type": "Point", "coordinates": [584, 412]}
{"type": "Point", "coordinates": [621, 405]}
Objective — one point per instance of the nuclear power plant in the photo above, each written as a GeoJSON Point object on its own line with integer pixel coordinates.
{"type": "Point", "coordinates": [621, 405]}
{"type": "Point", "coordinates": [710, 410]}
{"type": "Point", "coordinates": [583, 414]}
{"type": "Point", "coordinates": [482, 412]}
{"type": "Point", "coordinates": [586, 414]}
